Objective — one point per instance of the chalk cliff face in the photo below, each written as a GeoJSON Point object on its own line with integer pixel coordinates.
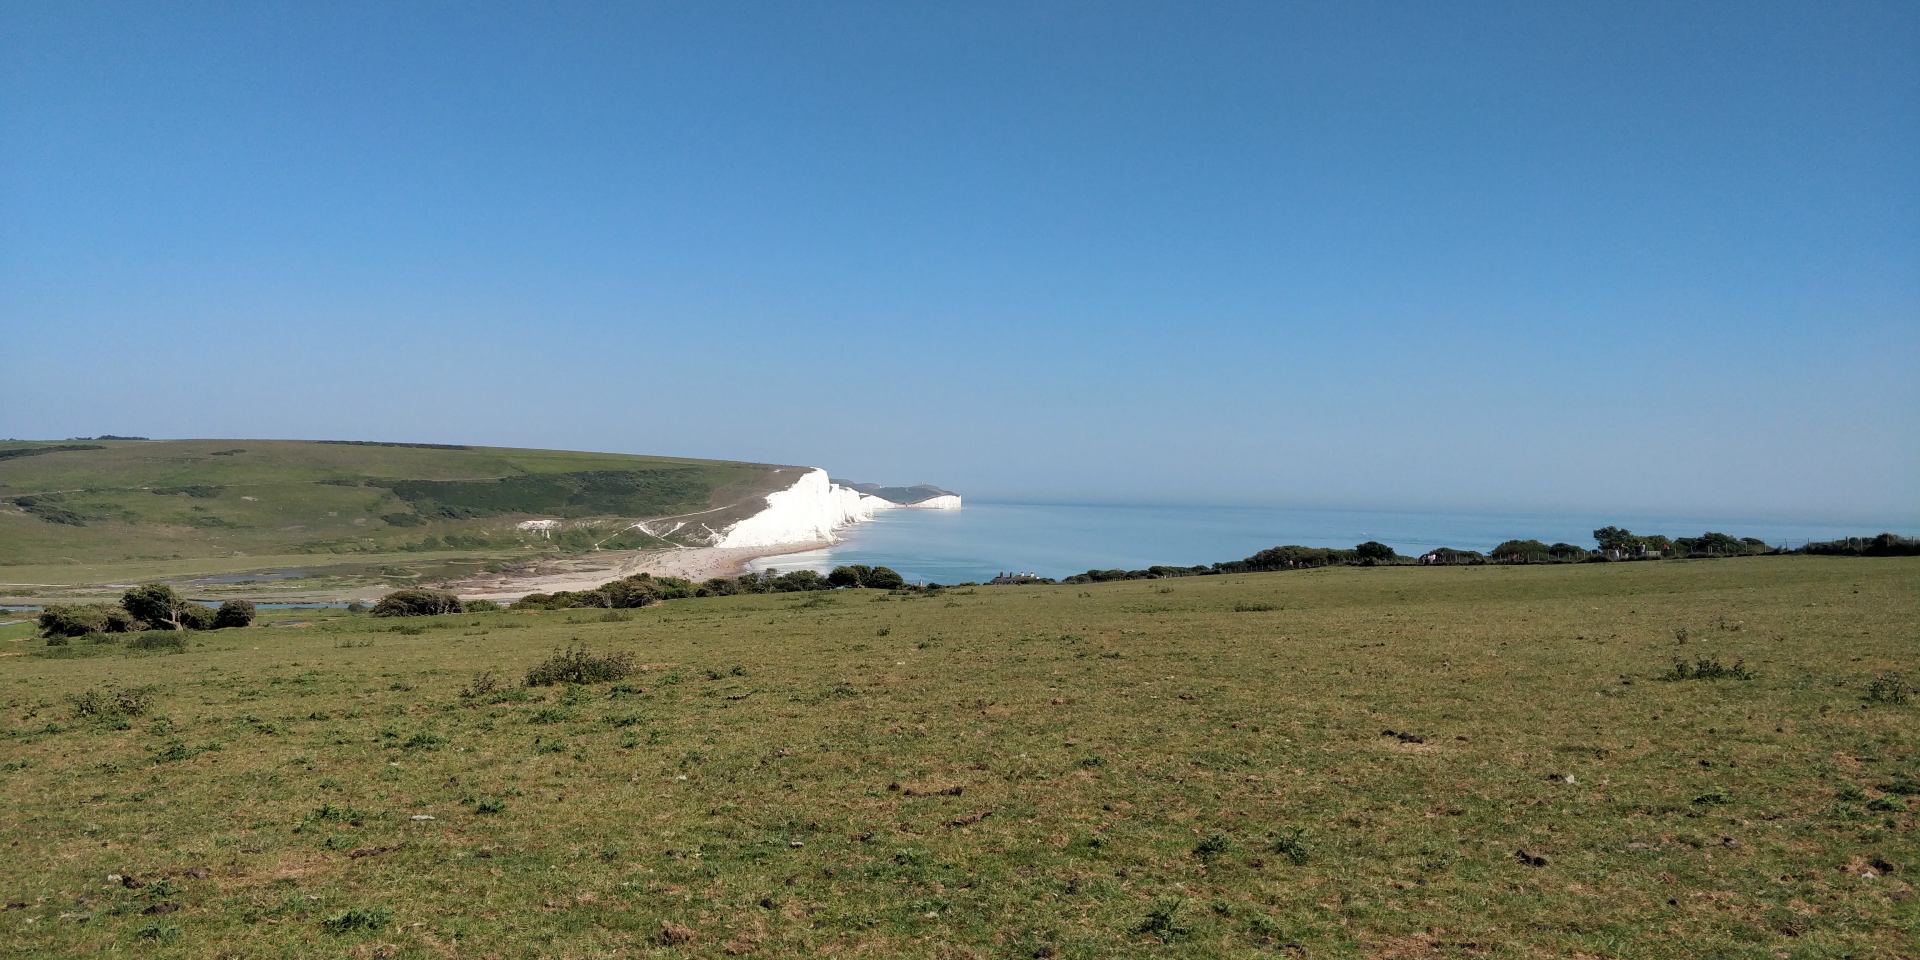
{"type": "Point", "coordinates": [807, 512]}
{"type": "Point", "coordinates": [945, 501]}
{"type": "Point", "coordinates": [923, 496]}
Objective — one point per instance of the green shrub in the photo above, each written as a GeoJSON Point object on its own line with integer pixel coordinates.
{"type": "Point", "coordinates": [1707, 668]}
{"type": "Point", "coordinates": [78, 621]}
{"type": "Point", "coordinates": [417, 603]}
{"type": "Point", "coordinates": [576, 664]}
{"type": "Point", "coordinates": [481, 606]}
{"type": "Point", "coordinates": [850, 575]}
{"type": "Point", "coordinates": [1292, 844]}
{"type": "Point", "coordinates": [883, 578]}
{"type": "Point", "coordinates": [194, 616]}
{"type": "Point", "coordinates": [1211, 847]}
{"type": "Point", "coordinates": [484, 684]}
{"type": "Point", "coordinates": [110, 702]}
{"type": "Point", "coordinates": [157, 640]}
{"type": "Point", "coordinates": [233, 613]}
{"type": "Point", "coordinates": [1889, 688]}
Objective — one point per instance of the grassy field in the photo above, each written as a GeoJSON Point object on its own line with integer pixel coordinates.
{"type": "Point", "coordinates": [1392, 762]}
{"type": "Point", "coordinates": [77, 514]}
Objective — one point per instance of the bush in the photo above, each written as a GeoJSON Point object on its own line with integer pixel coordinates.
{"type": "Point", "coordinates": [883, 578]}
{"type": "Point", "coordinates": [1212, 847]}
{"type": "Point", "coordinates": [1522, 551]}
{"type": "Point", "coordinates": [194, 616]}
{"type": "Point", "coordinates": [78, 621]}
{"type": "Point", "coordinates": [629, 593]}
{"type": "Point", "coordinates": [636, 591]}
{"type": "Point", "coordinates": [576, 664]}
{"type": "Point", "coordinates": [417, 603]}
{"type": "Point", "coordinates": [481, 606]}
{"type": "Point", "coordinates": [157, 640]}
{"type": "Point", "coordinates": [233, 613]}
{"type": "Point", "coordinates": [851, 575]}
{"type": "Point", "coordinates": [799, 581]}
{"type": "Point", "coordinates": [1707, 668]}
{"type": "Point", "coordinates": [1292, 844]}
{"type": "Point", "coordinates": [1890, 688]}
{"type": "Point", "coordinates": [484, 684]}
{"type": "Point", "coordinates": [110, 702]}
{"type": "Point", "coordinates": [717, 587]}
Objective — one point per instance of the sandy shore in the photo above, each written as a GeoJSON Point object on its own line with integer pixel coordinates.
{"type": "Point", "coordinates": [592, 570]}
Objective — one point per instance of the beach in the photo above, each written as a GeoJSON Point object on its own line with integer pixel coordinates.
{"type": "Point", "coordinates": [592, 570]}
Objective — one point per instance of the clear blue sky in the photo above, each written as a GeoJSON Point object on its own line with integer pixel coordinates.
{"type": "Point", "coordinates": [1658, 257]}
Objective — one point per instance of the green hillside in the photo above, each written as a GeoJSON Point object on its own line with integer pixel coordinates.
{"type": "Point", "coordinates": [73, 511]}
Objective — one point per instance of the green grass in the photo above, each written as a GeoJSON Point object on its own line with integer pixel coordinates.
{"type": "Point", "coordinates": [1391, 762]}
{"type": "Point", "coordinates": [337, 515]}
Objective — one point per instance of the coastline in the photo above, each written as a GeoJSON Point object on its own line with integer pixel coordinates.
{"type": "Point", "coordinates": [592, 570]}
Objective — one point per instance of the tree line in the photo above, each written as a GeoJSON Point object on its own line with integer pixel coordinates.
{"type": "Point", "coordinates": [1612, 544]}
{"type": "Point", "coordinates": [153, 606]}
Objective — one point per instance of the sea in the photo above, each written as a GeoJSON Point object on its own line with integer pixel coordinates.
{"type": "Point", "coordinates": [984, 539]}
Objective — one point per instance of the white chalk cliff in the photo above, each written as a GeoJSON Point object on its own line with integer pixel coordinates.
{"type": "Point", "coordinates": [945, 501]}
{"type": "Point", "coordinates": [807, 512]}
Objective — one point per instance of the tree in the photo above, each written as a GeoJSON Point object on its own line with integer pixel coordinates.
{"type": "Point", "coordinates": [1615, 540]}
{"type": "Point", "coordinates": [1711, 544]}
{"type": "Point", "coordinates": [156, 603]}
{"type": "Point", "coordinates": [1522, 551]}
{"type": "Point", "coordinates": [1567, 551]}
{"type": "Point", "coordinates": [233, 613]}
{"type": "Point", "coordinates": [1373, 551]}
{"type": "Point", "coordinates": [884, 578]}
{"type": "Point", "coordinates": [850, 575]}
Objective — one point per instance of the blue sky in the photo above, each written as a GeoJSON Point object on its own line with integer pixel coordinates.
{"type": "Point", "coordinates": [1660, 258]}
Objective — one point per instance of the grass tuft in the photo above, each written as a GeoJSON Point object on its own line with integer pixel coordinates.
{"type": "Point", "coordinates": [1707, 668]}
{"type": "Point", "coordinates": [1889, 688]}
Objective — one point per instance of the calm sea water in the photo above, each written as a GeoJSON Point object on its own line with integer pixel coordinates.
{"type": "Point", "coordinates": [1056, 540]}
